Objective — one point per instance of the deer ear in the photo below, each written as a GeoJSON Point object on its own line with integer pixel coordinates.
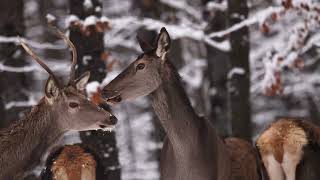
{"type": "Point", "coordinates": [52, 90]}
{"type": "Point", "coordinates": [145, 46]}
{"type": "Point", "coordinates": [163, 43]}
{"type": "Point", "coordinates": [82, 81]}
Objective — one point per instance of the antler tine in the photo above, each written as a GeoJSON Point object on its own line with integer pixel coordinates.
{"type": "Point", "coordinates": [74, 54]}
{"type": "Point", "coordinates": [38, 59]}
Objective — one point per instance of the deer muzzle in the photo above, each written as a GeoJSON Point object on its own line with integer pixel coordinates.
{"type": "Point", "coordinates": [111, 97]}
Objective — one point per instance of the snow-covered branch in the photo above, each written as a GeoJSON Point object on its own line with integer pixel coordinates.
{"type": "Point", "coordinates": [183, 6]}
{"type": "Point", "coordinates": [253, 19]}
{"type": "Point", "coordinates": [34, 44]}
{"type": "Point", "coordinates": [30, 102]}
{"type": "Point", "coordinates": [31, 68]}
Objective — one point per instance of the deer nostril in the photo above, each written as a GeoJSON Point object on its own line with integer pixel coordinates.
{"type": "Point", "coordinates": [113, 120]}
{"type": "Point", "coordinates": [118, 98]}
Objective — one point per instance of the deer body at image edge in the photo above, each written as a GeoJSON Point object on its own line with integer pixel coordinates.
{"type": "Point", "coordinates": [290, 150]}
{"type": "Point", "coordinates": [192, 149]}
{"type": "Point", "coordinates": [62, 109]}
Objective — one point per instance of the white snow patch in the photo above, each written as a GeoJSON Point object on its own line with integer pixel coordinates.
{"type": "Point", "coordinates": [92, 87]}
{"type": "Point", "coordinates": [87, 4]}
{"type": "Point", "coordinates": [70, 19]}
{"type": "Point", "coordinates": [91, 20]}
{"type": "Point", "coordinates": [50, 18]}
{"type": "Point", "coordinates": [236, 70]}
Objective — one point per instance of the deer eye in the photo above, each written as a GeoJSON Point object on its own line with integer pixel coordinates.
{"type": "Point", "coordinates": [140, 66]}
{"type": "Point", "coordinates": [73, 105]}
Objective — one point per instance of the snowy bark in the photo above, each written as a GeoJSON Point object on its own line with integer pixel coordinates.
{"type": "Point", "coordinates": [239, 75]}
{"type": "Point", "coordinates": [217, 70]}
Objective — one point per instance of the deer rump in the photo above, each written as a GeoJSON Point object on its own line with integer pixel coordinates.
{"type": "Point", "coordinates": [302, 136]}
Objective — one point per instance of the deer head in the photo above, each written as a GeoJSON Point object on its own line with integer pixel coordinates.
{"type": "Point", "coordinates": [142, 76]}
{"type": "Point", "coordinates": [68, 102]}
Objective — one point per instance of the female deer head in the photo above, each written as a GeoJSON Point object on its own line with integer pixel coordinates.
{"type": "Point", "coordinates": [68, 103]}
{"type": "Point", "coordinates": [142, 76]}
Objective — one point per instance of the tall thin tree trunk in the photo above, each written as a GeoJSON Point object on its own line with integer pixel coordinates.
{"type": "Point", "coordinates": [217, 70]}
{"type": "Point", "coordinates": [90, 47]}
{"type": "Point", "coordinates": [239, 81]}
{"type": "Point", "coordinates": [14, 84]}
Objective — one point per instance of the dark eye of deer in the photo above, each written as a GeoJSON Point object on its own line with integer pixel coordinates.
{"type": "Point", "coordinates": [73, 105]}
{"type": "Point", "coordinates": [140, 66]}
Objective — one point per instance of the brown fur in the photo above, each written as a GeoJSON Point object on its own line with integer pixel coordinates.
{"type": "Point", "coordinates": [72, 160]}
{"type": "Point", "coordinates": [290, 137]}
{"type": "Point", "coordinates": [284, 134]}
{"type": "Point", "coordinates": [243, 159]}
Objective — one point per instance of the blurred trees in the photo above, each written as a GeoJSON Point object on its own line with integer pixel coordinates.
{"type": "Point", "coordinates": [239, 74]}
{"type": "Point", "coordinates": [14, 84]}
{"type": "Point", "coordinates": [89, 42]}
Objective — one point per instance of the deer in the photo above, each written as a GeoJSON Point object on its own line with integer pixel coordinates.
{"type": "Point", "coordinates": [290, 149]}
{"type": "Point", "coordinates": [73, 163]}
{"type": "Point", "coordinates": [192, 149]}
{"type": "Point", "coordinates": [63, 108]}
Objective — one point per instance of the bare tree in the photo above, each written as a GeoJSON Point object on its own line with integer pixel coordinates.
{"type": "Point", "coordinates": [239, 75]}
{"type": "Point", "coordinates": [12, 24]}
{"type": "Point", "coordinates": [217, 70]}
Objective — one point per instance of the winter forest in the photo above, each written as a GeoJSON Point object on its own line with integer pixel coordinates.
{"type": "Point", "coordinates": [243, 64]}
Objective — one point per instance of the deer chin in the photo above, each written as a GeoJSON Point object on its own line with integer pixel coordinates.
{"type": "Point", "coordinates": [108, 128]}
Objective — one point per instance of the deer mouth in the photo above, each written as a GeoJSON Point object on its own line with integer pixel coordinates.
{"type": "Point", "coordinates": [114, 100]}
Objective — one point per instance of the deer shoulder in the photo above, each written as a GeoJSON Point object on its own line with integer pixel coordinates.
{"type": "Point", "coordinates": [243, 159]}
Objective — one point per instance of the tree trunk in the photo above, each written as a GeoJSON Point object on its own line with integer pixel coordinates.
{"type": "Point", "coordinates": [90, 47]}
{"type": "Point", "coordinates": [15, 84]}
{"type": "Point", "coordinates": [239, 82]}
{"type": "Point", "coordinates": [217, 70]}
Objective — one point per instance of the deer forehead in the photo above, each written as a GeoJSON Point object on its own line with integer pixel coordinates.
{"type": "Point", "coordinates": [72, 91]}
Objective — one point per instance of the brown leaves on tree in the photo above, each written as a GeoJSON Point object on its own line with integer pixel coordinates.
{"type": "Point", "coordinates": [99, 27]}
{"type": "Point", "coordinates": [276, 87]}
{"type": "Point", "coordinates": [287, 4]}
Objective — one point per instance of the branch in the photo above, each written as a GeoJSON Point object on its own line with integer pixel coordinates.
{"type": "Point", "coordinates": [34, 44]}
{"type": "Point", "coordinates": [254, 19]}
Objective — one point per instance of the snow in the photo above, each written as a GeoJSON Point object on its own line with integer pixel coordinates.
{"type": "Point", "coordinates": [183, 6]}
{"type": "Point", "coordinates": [70, 19]}
{"type": "Point", "coordinates": [31, 102]}
{"type": "Point", "coordinates": [92, 87]}
{"type": "Point", "coordinates": [104, 19]}
{"type": "Point", "coordinates": [50, 18]}
{"type": "Point", "coordinates": [90, 20]}
{"type": "Point", "coordinates": [31, 43]}
{"type": "Point", "coordinates": [235, 71]}
{"type": "Point", "coordinates": [211, 5]}
{"type": "Point", "coordinates": [253, 19]}
{"type": "Point", "coordinates": [98, 9]}
{"type": "Point", "coordinates": [192, 73]}
{"type": "Point", "coordinates": [87, 4]}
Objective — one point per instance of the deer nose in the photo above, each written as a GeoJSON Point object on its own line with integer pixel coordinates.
{"type": "Point", "coordinates": [113, 120]}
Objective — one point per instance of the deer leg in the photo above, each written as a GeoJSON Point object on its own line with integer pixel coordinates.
{"type": "Point", "coordinates": [273, 167]}
{"type": "Point", "coordinates": [289, 164]}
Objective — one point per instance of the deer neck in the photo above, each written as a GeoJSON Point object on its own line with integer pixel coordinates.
{"type": "Point", "coordinates": [174, 110]}
{"type": "Point", "coordinates": [26, 141]}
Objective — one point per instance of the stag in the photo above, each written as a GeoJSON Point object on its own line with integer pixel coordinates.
{"type": "Point", "coordinates": [192, 149]}
{"type": "Point", "coordinates": [289, 149]}
{"type": "Point", "coordinates": [63, 108]}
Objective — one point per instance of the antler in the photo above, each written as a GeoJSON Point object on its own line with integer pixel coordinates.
{"type": "Point", "coordinates": [39, 60]}
{"type": "Point", "coordinates": [74, 54]}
